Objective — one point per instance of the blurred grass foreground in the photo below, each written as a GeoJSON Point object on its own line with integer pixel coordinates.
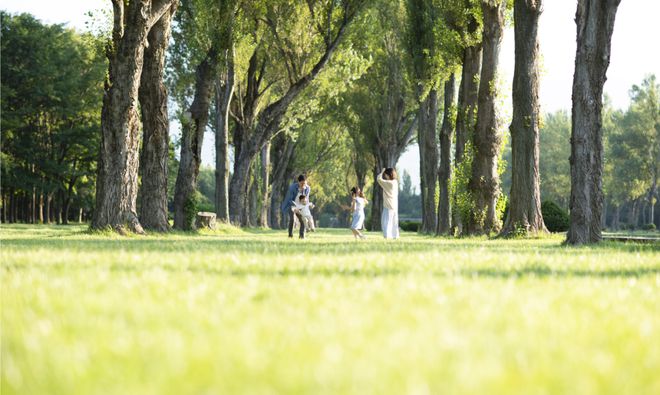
{"type": "Point", "coordinates": [233, 311]}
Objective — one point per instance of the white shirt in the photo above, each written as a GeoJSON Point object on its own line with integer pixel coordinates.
{"type": "Point", "coordinates": [304, 208]}
{"type": "Point", "coordinates": [390, 192]}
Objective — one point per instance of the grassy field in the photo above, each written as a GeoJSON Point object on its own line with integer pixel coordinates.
{"type": "Point", "coordinates": [252, 312]}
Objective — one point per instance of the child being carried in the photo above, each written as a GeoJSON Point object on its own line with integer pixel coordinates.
{"type": "Point", "coordinates": [303, 207]}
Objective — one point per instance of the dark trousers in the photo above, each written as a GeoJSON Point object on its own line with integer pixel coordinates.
{"type": "Point", "coordinates": [301, 220]}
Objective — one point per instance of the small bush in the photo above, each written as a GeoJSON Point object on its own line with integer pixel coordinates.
{"type": "Point", "coordinates": [650, 226]}
{"type": "Point", "coordinates": [410, 226]}
{"type": "Point", "coordinates": [555, 218]}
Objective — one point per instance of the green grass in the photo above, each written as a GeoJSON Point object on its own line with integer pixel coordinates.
{"type": "Point", "coordinates": [252, 312]}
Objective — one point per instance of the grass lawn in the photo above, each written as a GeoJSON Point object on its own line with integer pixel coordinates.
{"type": "Point", "coordinates": [252, 312]}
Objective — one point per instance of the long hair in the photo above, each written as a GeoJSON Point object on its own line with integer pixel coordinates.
{"type": "Point", "coordinates": [391, 173]}
{"type": "Point", "coordinates": [357, 191]}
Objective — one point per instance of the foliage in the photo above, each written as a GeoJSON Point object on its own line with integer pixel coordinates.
{"type": "Point", "coordinates": [252, 312]}
{"type": "Point", "coordinates": [409, 200]}
{"type": "Point", "coordinates": [410, 226]}
{"type": "Point", "coordinates": [555, 150]}
{"type": "Point", "coordinates": [650, 226]}
{"type": "Point", "coordinates": [191, 208]}
{"type": "Point", "coordinates": [555, 218]}
{"type": "Point", "coordinates": [51, 99]}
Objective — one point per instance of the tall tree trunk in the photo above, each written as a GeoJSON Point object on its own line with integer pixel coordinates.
{"type": "Point", "coordinates": [223, 94]}
{"type": "Point", "coordinates": [265, 172]}
{"type": "Point", "coordinates": [484, 184]}
{"type": "Point", "coordinates": [595, 23]}
{"type": "Point", "coordinates": [376, 201]}
{"type": "Point", "coordinates": [192, 136]}
{"type": "Point", "coordinates": [283, 149]}
{"type": "Point", "coordinates": [117, 181]}
{"type": "Point", "coordinates": [49, 202]}
{"type": "Point", "coordinates": [33, 206]}
{"type": "Point", "coordinates": [616, 220]}
{"type": "Point", "coordinates": [428, 158]}
{"type": "Point", "coordinates": [466, 115]}
{"type": "Point", "coordinates": [60, 207]}
{"type": "Point", "coordinates": [155, 120]}
{"type": "Point", "coordinates": [12, 206]}
{"type": "Point", "coordinates": [41, 207]}
{"type": "Point", "coordinates": [444, 173]}
{"type": "Point", "coordinates": [252, 197]}
{"type": "Point", "coordinates": [525, 197]}
{"type": "Point", "coordinates": [65, 210]}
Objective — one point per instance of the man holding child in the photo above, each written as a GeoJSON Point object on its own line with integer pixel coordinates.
{"type": "Point", "coordinates": [292, 199]}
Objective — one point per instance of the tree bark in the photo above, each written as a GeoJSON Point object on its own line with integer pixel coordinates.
{"type": "Point", "coordinates": [252, 197]}
{"type": "Point", "coordinates": [428, 159]}
{"type": "Point", "coordinates": [41, 207]}
{"type": "Point", "coordinates": [484, 184]}
{"type": "Point", "coordinates": [444, 173]}
{"type": "Point", "coordinates": [616, 222]}
{"type": "Point", "coordinates": [155, 121]}
{"type": "Point", "coordinates": [117, 181]}
{"type": "Point", "coordinates": [525, 197]}
{"type": "Point", "coordinates": [595, 23]}
{"type": "Point", "coordinates": [283, 149]}
{"type": "Point", "coordinates": [466, 117]}
{"type": "Point", "coordinates": [224, 92]}
{"type": "Point", "coordinates": [265, 172]}
{"type": "Point", "coordinates": [192, 136]}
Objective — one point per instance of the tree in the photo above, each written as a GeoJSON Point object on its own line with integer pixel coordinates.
{"type": "Point", "coordinates": [224, 91]}
{"type": "Point", "coordinates": [595, 24]}
{"type": "Point", "coordinates": [484, 181]}
{"type": "Point", "coordinates": [422, 44]}
{"type": "Point", "coordinates": [204, 35]}
{"type": "Point", "coordinates": [444, 172]}
{"type": "Point", "coordinates": [382, 106]}
{"type": "Point", "coordinates": [328, 20]}
{"type": "Point", "coordinates": [155, 123]}
{"type": "Point", "coordinates": [51, 96]}
{"type": "Point", "coordinates": [466, 114]}
{"type": "Point", "coordinates": [117, 184]}
{"type": "Point", "coordinates": [525, 197]}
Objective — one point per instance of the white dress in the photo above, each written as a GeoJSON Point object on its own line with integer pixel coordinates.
{"type": "Point", "coordinates": [358, 214]}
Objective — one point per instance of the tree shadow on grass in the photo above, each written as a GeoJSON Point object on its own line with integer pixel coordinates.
{"type": "Point", "coordinates": [525, 271]}
{"type": "Point", "coordinates": [336, 247]}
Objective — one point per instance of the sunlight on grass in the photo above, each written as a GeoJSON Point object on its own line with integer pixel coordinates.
{"type": "Point", "coordinates": [235, 311]}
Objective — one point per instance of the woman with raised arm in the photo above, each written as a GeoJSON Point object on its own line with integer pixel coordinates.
{"type": "Point", "coordinates": [389, 220]}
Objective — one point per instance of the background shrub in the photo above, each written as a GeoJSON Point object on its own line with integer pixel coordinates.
{"type": "Point", "coordinates": [555, 218]}
{"type": "Point", "coordinates": [410, 226]}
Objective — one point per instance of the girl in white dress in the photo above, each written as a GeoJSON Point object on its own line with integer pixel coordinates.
{"type": "Point", "coordinates": [357, 208]}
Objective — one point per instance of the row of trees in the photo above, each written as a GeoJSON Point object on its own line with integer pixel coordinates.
{"type": "Point", "coordinates": [631, 144]}
{"type": "Point", "coordinates": [52, 79]}
{"type": "Point", "coordinates": [338, 90]}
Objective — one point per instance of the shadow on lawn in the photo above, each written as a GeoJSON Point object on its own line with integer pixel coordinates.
{"type": "Point", "coordinates": [534, 270]}
{"type": "Point", "coordinates": [332, 247]}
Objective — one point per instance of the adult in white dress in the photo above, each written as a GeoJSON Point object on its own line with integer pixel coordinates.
{"type": "Point", "coordinates": [389, 219]}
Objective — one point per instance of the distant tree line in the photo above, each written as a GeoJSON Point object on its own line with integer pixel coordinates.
{"type": "Point", "coordinates": [52, 85]}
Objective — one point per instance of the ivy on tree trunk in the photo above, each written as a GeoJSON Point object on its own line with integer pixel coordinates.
{"type": "Point", "coordinates": [484, 184]}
